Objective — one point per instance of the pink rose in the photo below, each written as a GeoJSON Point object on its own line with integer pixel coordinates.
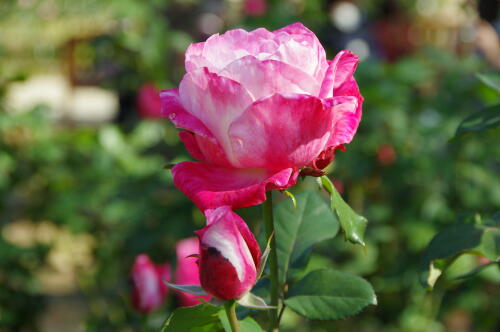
{"type": "Point", "coordinates": [229, 255]}
{"type": "Point", "coordinates": [258, 108]}
{"type": "Point", "coordinates": [148, 101]}
{"type": "Point", "coordinates": [149, 289]}
{"type": "Point", "coordinates": [187, 272]}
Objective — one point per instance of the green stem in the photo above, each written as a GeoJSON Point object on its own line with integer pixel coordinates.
{"type": "Point", "coordinates": [273, 261]}
{"type": "Point", "coordinates": [230, 307]}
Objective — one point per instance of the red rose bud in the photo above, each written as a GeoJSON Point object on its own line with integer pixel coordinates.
{"type": "Point", "coordinates": [149, 102]}
{"type": "Point", "coordinates": [187, 271]}
{"type": "Point", "coordinates": [149, 289]}
{"type": "Point", "coordinates": [229, 255]}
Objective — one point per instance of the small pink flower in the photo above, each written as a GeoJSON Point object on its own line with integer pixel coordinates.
{"type": "Point", "coordinates": [148, 101]}
{"type": "Point", "coordinates": [255, 7]}
{"type": "Point", "coordinates": [149, 289]}
{"type": "Point", "coordinates": [187, 272]}
{"type": "Point", "coordinates": [229, 255]}
{"type": "Point", "coordinates": [258, 108]}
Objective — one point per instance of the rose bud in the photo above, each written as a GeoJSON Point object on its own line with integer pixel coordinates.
{"type": "Point", "coordinates": [255, 7]}
{"type": "Point", "coordinates": [229, 255]}
{"type": "Point", "coordinates": [258, 108]}
{"type": "Point", "coordinates": [148, 101]}
{"type": "Point", "coordinates": [187, 271]}
{"type": "Point", "coordinates": [149, 289]}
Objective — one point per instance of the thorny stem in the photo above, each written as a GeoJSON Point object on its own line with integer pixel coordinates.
{"type": "Point", "coordinates": [273, 261]}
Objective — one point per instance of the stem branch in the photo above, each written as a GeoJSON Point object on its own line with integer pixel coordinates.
{"type": "Point", "coordinates": [230, 307]}
{"type": "Point", "coordinates": [273, 261]}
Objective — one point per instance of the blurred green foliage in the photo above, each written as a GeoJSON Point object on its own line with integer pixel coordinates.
{"type": "Point", "coordinates": [104, 182]}
{"type": "Point", "coordinates": [405, 171]}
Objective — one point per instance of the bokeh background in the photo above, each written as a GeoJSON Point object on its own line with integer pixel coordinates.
{"type": "Point", "coordinates": [83, 188]}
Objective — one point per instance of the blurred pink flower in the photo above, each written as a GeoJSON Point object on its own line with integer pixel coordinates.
{"type": "Point", "coordinates": [258, 108]}
{"type": "Point", "coordinates": [255, 7]}
{"type": "Point", "coordinates": [386, 154]}
{"type": "Point", "coordinates": [229, 255]}
{"type": "Point", "coordinates": [148, 101]}
{"type": "Point", "coordinates": [149, 289]}
{"type": "Point", "coordinates": [187, 272]}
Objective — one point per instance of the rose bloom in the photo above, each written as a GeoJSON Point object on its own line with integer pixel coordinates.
{"type": "Point", "coordinates": [229, 255]}
{"type": "Point", "coordinates": [258, 108]}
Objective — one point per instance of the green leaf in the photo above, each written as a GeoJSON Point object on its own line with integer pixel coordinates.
{"type": "Point", "coordinates": [298, 229]}
{"type": "Point", "coordinates": [475, 271]}
{"type": "Point", "coordinates": [490, 243]}
{"type": "Point", "coordinates": [191, 289]}
{"type": "Point", "coordinates": [453, 241]}
{"type": "Point", "coordinates": [246, 325]}
{"type": "Point", "coordinates": [191, 319]}
{"type": "Point", "coordinates": [485, 119]}
{"type": "Point", "coordinates": [330, 294]}
{"type": "Point", "coordinates": [353, 225]}
{"type": "Point", "coordinates": [490, 79]}
{"type": "Point", "coordinates": [146, 134]}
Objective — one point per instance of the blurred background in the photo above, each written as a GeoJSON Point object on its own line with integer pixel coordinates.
{"type": "Point", "coordinates": [82, 150]}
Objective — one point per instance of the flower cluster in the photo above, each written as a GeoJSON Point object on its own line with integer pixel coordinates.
{"type": "Point", "coordinates": [257, 109]}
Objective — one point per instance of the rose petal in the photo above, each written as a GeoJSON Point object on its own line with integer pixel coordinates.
{"type": "Point", "coordinates": [349, 88]}
{"type": "Point", "coordinates": [191, 145]}
{"type": "Point", "coordinates": [281, 132]}
{"type": "Point", "coordinates": [213, 215]}
{"type": "Point", "coordinates": [204, 149]}
{"type": "Point", "coordinates": [264, 78]}
{"type": "Point", "coordinates": [215, 100]}
{"type": "Point", "coordinates": [181, 118]}
{"type": "Point", "coordinates": [194, 57]}
{"type": "Point", "coordinates": [253, 246]}
{"type": "Point", "coordinates": [251, 242]}
{"type": "Point", "coordinates": [347, 115]}
{"type": "Point", "coordinates": [211, 186]}
{"type": "Point", "coordinates": [339, 74]}
{"type": "Point", "coordinates": [220, 50]}
{"type": "Point", "coordinates": [299, 47]}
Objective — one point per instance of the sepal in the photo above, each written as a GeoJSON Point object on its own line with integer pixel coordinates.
{"type": "Point", "coordinates": [253, 301]}
{"type": "Point", "coordinates": [263, 258]}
